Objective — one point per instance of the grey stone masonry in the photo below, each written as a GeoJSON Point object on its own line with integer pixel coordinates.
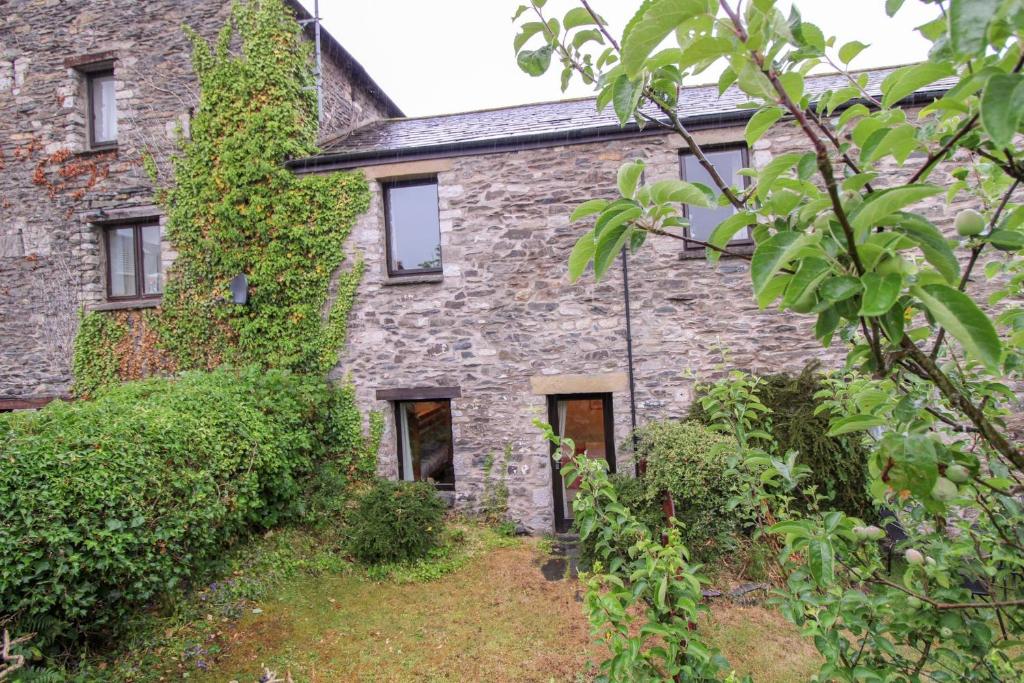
{"type": "Point", "coordinates": [506, 326]}
{"type": "Point", "coordinates": [53, 187]}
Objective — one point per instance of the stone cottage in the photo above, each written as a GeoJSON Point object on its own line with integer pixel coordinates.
{"type": "Point", "coordinates": [465, 326]}
{"type": "Point", "coordinates": [85, 87]}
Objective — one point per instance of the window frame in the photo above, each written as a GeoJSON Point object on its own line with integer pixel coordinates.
{"type": "Point", "coordinates": [398, 405]}
{"type": "Point", "coordinates": [386, 188]}
{"type": "Point", "coordinates": [140, 274]}
{"type": "Point", "coordinates": [688, 246]}
{"type": "Point", "coordinates": [91, 75]}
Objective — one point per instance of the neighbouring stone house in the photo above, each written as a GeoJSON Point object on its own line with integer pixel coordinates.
{"type": "Point", "coordinates": [465, 326]}
{"type": "Point", "coordinates": [85, 87]}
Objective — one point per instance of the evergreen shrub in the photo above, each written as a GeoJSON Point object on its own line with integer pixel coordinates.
{"type": "Point", "coordinates": [396, 521]}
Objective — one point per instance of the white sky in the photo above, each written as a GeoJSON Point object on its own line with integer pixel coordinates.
{"type": "Point", "coordinates": [456, 55]}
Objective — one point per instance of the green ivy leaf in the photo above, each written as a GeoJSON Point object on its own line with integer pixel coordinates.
{"type": "Point", "coordinates": [962, 318]}
{"type": "Point", "coordinates": [968, 23]}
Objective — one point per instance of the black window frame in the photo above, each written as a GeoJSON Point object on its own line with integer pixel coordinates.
{"type": "Point", "coordinates": [386, 187]}
{"type": "Point", "coordinates": [688, 246]}
{"type": "Point", "coordinates": [91, 75]}
{"type": "Point", "coordinates": [398, 405]}
{"type": "Point", "coordinates": [140, 274]}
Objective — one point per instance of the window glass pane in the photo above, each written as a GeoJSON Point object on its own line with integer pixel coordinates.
{"type": "Point", "coordinates": [728, 164]}
{"type": "Point", "coordinates": [122, 261]}
{"type": "Point", "coordinates": [151, 280]}
{"type": "Point", "coordinates": [425, 431]}
{"type": "Point", "coordinates": [104, 108]}
{"type": "Point", "coordinates": [414, 230]}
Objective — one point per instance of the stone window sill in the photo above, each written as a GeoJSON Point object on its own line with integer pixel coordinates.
{"type": "Point", "coordinates": [413, 279]}
{"type": "Point", "coordinates": [743, 249]}
{"type": "Point", "coordinates": [98, 151]}
{"type": "Point", "coordinates": [126, 305]}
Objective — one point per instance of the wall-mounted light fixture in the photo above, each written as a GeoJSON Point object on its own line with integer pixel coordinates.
{"type": "Point", "coordinates": [240, 289]}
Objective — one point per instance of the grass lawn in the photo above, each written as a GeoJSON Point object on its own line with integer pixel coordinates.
{"type": "Point", "coordinates": [494, 619]}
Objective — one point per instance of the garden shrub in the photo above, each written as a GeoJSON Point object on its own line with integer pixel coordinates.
{"type": "Point", "coordinates": [838, 464]}
{"type": "Point", "coordinates": [396, 521]}
{"type": "Point", "coordinates": [111, 503]}
{"type": "Point", "coordinates": [632, 493]}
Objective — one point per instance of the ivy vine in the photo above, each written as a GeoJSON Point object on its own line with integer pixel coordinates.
{"type": "Point", "coordinates": [233, 208]}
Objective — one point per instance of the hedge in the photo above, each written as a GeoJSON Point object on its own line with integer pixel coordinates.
{"type": "Point", "coordinates": [111, 503]}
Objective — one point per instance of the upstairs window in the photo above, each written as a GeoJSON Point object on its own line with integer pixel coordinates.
{"type": "Point", "coordinates": [425, 450]}
{"type": "Point", "coordinates": [413, 227]}
{"type": "Point", "coordinates": [133, 262]}
{"type": "Point", "coordinates": [102, 113]}
{"type": "Point", "coordinates": [728, 163]}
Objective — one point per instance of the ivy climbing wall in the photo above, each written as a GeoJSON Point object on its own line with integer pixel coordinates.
{"type": "Point", "coordinates": [233, 208]}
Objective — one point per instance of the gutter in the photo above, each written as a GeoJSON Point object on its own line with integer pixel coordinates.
{"type": "Point", "coordinates": [336, 161]}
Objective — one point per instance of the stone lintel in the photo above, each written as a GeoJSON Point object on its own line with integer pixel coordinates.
{"type": "Point", "coordinates": [92, 61]}
{"type": "Point", "coordinates": [579, 384]}
{"type": "Point", "coordinates": [418, 393]}
{"type": "Point", "coordinates": [126, 214]}
{"type": "Point", "coordinates": [407, 169]}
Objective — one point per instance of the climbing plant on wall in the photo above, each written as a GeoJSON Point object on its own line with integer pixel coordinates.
{"type": "Point", "coordinates": [233, 208]}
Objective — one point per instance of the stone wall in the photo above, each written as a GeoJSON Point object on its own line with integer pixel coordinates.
{"type": "Point", "coordinates": [52, 186]}
{"type": "Point", "coordinates": [505, 325]}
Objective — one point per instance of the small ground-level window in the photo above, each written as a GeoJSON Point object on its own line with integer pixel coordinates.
{"type": "Point", "coordinates": [133, 261]}
{"type": "Point", "coordinates": [413, 227]}
{"type": "Point", "coordinates": [728, 162]}
{"type": "Point", "coordinates": [425, 442]}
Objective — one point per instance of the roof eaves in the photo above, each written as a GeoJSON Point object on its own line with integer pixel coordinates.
{"type": "Point", "coordinates": [345, 59]}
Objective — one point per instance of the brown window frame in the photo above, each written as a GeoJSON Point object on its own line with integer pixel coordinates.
{"type": "Point", "coordinates": [387, 187]}
{"type": "Point", "coordinates": [440, 486]}
{"type": "Point", "coordinates": [744, 151]}
{"type": "Point", "coordinates": [90, 76]}
{"type": "Point", "coordinates": [140, 274]}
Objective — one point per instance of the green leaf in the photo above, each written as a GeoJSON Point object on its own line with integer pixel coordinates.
{"type": "Point", "coordinates": [880, 293]}
{"type": "Point", "coordinates": [588, 208]}
{"type": "Point", "coordinates": [759, 124]}
{"type": "Point", "coordinates": [880, 205]}
{"type": "Point", "coordinates": [1006, 240]}
{"type": "Point", "coordinates": [968, 23]}
{"type": "Point", "coordinates": [772, 170]}
{"type": "Point", "coordinates": [854, 423]}
{"type": "Point", "coordinates": [825, 326]}
{"type": "Point", "coordinates": [675, 190]}
{"type": "Point", "coordinates": [849, 51]}
{"type": "Point", "coordinates": [535, 62]}
{"type": "Point", "coordinates": [1001, 103]}
{"type": "Point", "coordinates": [704, 49]}
{"type": "Point", "coordinates": [908, 79]}
{"type": "Point", "coordinates": [577, 16]}
{"type": "Point", "coordinates": [962, 318]}
{"type": "Point", "coordinates": [654, 22]}
{"type": "Point", "coordinates": [727, 229]}
{"type": "Point", "coordinates": [629, 177]}
{"type": "Point", "coordinates": [840, 288]}
{"type": "Point", "coordinates": [625, 96]}
{"type": "Point", "coordinates": [753, 82]}
{"type": "Point", "coordinates": [893, 6]}
{"type": "Point", "coordinates": [821, 561]}
{"type": "Point", "coordinates": [529, 30]}
{"type": "Point", "coordinates": [932, 244]}
{"type": "Point", "coordinates": [772, 255]}
{"type": "Point", "coordinates": [800, 291]}
{"type": "Point", "coordinates": [612, 239]}
{"type": "Point", "coordinates": [582, 253]}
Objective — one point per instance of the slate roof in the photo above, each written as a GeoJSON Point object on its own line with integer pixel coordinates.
{"type": "Point", "coordinates": [549, 122]}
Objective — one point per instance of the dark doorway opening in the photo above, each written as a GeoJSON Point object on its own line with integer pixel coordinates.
{"type": "Point", "coordinates": [587, 420]}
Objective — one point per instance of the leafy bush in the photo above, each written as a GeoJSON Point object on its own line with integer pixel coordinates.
{"type": "Point", "coordinates": [110, 503]}
{"type": "Point", "coordinates": [631, 492]}
{"type": "Point", "coordinates": [688, 460]}
{"type": "Point", "coordinates": [396, 521]}
{"type": "Point", "coordinates": [838, 464]}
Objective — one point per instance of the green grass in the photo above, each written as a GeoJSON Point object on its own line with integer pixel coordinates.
{"type": "Point", "coordinates": [477, 609]}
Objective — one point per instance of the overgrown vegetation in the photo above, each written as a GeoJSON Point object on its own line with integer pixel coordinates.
{"type": "Point", "coordinates": [838, 464]}
{"type": "Point", "coordinates": [113, 503]}
{"type": "Point", "coordinates": [233, 208]}
{"type": "Point", "coordinates": [494, 497]}
{"type": "Point", "coordinates": [840, 233]}
{"type": "Point", "coordinates": [396, 521]}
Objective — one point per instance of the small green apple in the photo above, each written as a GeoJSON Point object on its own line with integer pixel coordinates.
{"type": "Point", "coordinates": [969, 223]}
{"type": "Point", "coordinates": [957, 474]}
{"type": "Point", "coordinates": [944, 490]}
